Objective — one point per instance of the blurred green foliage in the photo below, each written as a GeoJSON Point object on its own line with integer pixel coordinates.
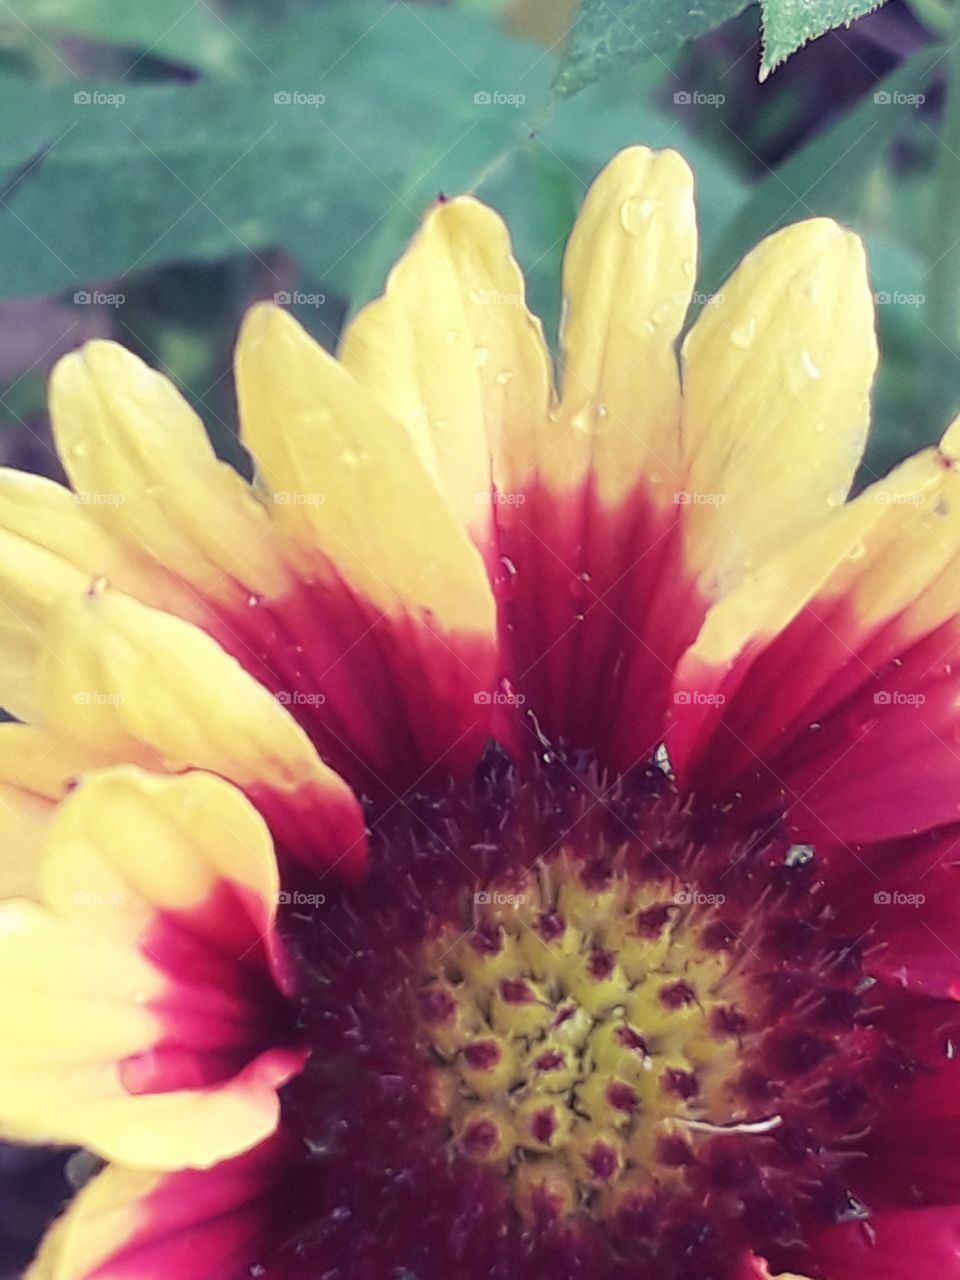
{"type": "Point", "coordinates": [165, 163]}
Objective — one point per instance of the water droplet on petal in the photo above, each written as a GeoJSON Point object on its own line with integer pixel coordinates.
{"type": "Point", "coordinates": [504, 376]}
{"type": "Point", "coordinates": [453, 335]}
{"type": "Point", "coordinates": [743, 334]}
{"type": "Point", "coordinates": [481, 355]}
{"type": "Point", "coordinates": [809, 365]}
{"type": "Point", "coordinates": [637, 211]}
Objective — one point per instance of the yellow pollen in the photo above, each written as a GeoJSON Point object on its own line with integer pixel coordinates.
{"type": "Point", "coordinates": [575, 1025]}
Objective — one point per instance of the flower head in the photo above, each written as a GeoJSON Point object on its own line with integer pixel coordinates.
{"type": "Point", "coordinates": [515, 835]}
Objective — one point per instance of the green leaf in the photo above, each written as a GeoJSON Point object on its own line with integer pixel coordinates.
{"type": "Point", "coordinates": [829, 174]}
{"type": "Point", "coordinates": [342, 134]}
{"type": "Point", "coordinates": [789, 24]}
{"type": "Point", "coordinates": [609, 33]}
{"type": "Point", "coordinates": [181, 31]}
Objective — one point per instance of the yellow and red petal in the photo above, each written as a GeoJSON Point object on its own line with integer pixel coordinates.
{"type": "Point", "coordinates": [142, 1005]}
{"type": "Point", "coordinates": [777, 373]}
{"type": "Point", "coordinates": [136, 684]}
{"type": "Point", "coordinates": [825, 684]}
{"type": "Point", "coordinates": [131, 1225]}
{"type": "Point", "coordinates": [394, 614]}
{"type": "Point", "coordinates": [597, 602]}
{"type": "Point", "coordinates": [452, 350]}
{"type": "Point", "coordinates": [139, 455]}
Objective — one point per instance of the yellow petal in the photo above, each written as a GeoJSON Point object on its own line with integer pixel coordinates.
{"type": "Point", "coordinates": [349, 491]}
{"type": "Point", "coordinates": [454, 353]}
{"type": "Point", "coordinates": [139, 456]}
{"type": "Point", "coordinates": [36, 769]}
{"type": "Point", "coordinates": [136, 684]}
{"type": "Point", "coordinates": [776, 397]}
{"type": "Point", "coordinates": [49, 545]}
{"type": "Point", "coordinates": [627, 281]}
{"type": "Point", "coordinates": [98, 983]}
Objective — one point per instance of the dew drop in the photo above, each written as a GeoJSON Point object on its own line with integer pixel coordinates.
{"type": "Point", "coordinates": [809, 365]}
{"type": "Point", "coordinates": [742, 335]}
{"type": "Point", "coordinates": [689, 266]}
{"type": "Point", "coordinates": [504, 376]}
{"type": "Point", "coordinates": [453, 336]}
{"type": "Point", "coordinates": [481, 355]}
{"type": "Point", "coordinates": [635, 212]}
{"type": "Point", "coordinates": [353, 457]}
{"type": "Point", "coordinates": [509, 567]}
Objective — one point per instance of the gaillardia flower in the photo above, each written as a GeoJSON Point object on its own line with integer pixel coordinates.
{"type": "Point", "coordinates": [513, 837]}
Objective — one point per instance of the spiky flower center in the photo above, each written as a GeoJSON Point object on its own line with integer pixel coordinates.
{"type": "Point", "coordinates": [571, 1025]}
{"type": "Point", "coordinates": [579, 1028]}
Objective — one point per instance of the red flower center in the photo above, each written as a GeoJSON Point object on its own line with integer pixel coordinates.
{"type": "Point", "coordinates": [570, 1026]}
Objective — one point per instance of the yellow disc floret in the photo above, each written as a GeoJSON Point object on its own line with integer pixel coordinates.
{"type": "Point", "coordinates": [575, 1023]}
